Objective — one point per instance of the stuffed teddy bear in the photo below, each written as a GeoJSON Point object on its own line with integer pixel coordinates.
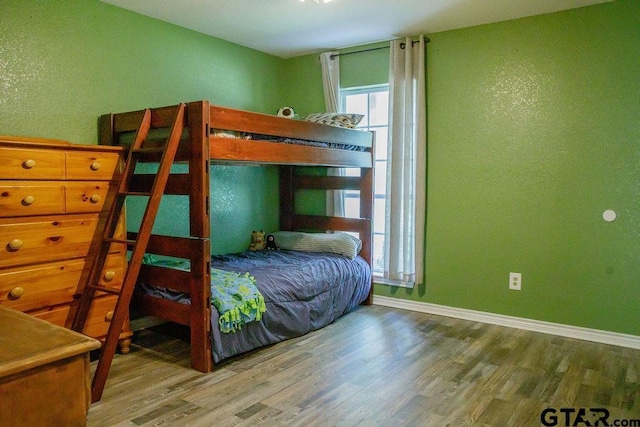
{"type": "Point", "coordinates": [257, 241]}
{"type": "Point", "coordinates": [271, 243]}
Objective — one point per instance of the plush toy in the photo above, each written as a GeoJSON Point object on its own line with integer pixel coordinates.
{"type": "Point", "coordinates": [257, 241]}
{"type": "Point", "coordinates": [286, 112]}
{"type": "Point", "coordinates": [271, 243]}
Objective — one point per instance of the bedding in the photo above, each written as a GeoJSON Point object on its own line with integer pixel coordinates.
{"type": "Point", "coordinates": [220, 133]}
{"type": "Point", "coordinates": [236, 298]}
{"type": "Point", "coordinates": [234, 295]}
{"type": "Point", "coordinates": [302, 292]}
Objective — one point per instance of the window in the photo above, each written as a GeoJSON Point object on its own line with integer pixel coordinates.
{"type": "Point", "coordinates": [373, 103]}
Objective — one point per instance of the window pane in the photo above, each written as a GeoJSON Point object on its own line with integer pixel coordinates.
{"type": "Point", "coordinates": [351, 171]}
{"type": "Point", "coordinates": [379, 108]}
{"type": "Point", "coordinates": [378, 215]}
{"type": "Point", "coordinates": [352, 207]}
{"type": "Point", "coordinates": [380, 176]}
{"type": "Point", "coordinates": [382, 136]}
{"type": "Point", "coordinates": [372, 102]}
{"type": "Point", "coordinates": [356, 104]}
{"type": "Point", "coordinates": [378, 252]}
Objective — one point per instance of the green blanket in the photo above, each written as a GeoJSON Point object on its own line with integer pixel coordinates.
{"type": "Point", "coordinates": [234, 295]}
{"type": "Point", "coordinates": [236, 298]}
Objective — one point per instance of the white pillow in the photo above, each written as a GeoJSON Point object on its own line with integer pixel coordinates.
{"type": "Point", "coordinates": [338, 243]}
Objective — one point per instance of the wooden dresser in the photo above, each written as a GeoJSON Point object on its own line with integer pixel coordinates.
{"type": "Point", "coordinates": [44, 372]}
{"type": "Point", "coordinates": [54, 197]}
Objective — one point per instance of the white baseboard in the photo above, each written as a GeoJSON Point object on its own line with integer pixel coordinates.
{"type": "Point", "coordinates": [595, 335]}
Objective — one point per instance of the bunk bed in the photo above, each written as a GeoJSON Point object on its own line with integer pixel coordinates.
{"type": "Point", "coordinates": [219, 135]}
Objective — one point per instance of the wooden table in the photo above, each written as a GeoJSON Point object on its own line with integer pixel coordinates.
{"type": "Point", "coordinates": [44, 372]}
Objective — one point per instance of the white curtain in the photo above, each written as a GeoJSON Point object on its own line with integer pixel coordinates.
{"type": "Point", "coordinates": [406, 167]}
{"type": "Point", "coordinates": [330, 64]}
{"type": "Point", "coordinates": [331, 80]}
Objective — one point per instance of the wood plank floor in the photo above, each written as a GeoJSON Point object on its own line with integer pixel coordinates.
{"type": "Point", "coordinates": [377, 366]}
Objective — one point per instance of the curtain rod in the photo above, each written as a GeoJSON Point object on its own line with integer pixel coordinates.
{"type": "Point", "coordinates": [426, 39]}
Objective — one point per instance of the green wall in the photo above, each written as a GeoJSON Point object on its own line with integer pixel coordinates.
{"type": "Point", "coordinates": [65, 62]}
{"type": "Point", "coordinates": [533, 133]}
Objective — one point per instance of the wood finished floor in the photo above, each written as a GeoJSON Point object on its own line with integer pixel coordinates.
{"type": "Point", "coordinates": [377, 366]}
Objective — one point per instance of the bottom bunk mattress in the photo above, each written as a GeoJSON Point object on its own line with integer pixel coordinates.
{"type": "Point", "coordinates": [302, 292]}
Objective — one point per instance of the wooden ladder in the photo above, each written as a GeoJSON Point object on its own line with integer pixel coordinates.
{"type": "Point", "coordinates": [139, 245]}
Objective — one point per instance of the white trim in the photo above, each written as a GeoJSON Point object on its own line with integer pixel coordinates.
{"type": "Point", "coordinates": [587, 334]}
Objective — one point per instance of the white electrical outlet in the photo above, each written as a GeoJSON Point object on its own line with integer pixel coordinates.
{"type": "Point", "coordinates": [515, 281]}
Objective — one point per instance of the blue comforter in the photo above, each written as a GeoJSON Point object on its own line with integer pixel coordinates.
{"type": "Point", "coordinates": [302, 292]}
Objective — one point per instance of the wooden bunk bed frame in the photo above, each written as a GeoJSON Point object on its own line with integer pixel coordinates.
{"type": "Point", "coordinates": [200, 148]}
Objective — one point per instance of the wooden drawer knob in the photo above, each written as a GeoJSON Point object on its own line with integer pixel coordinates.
{"type": "Point", "coordinates": [28, 200]}
{"type": "Point", "coordinates": [109, 275]}
{"type": "Point", "coordinates": [16, 292]}
{"type": "Point", "coordinates": [95, 166]}
{"type": "Point", "coordinates": [15, 244]}
{"type": "Point", "coordinates": [28, 164]}
{"type": "Point", "coordinates": [109, 316]}
{"type": "Point", "coordinates": [95, 198]}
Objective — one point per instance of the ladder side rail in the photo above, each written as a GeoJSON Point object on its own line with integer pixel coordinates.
{"type": "Point", "coordinates": [122, 305]}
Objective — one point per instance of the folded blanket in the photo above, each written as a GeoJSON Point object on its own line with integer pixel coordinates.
{"type": "Point", "coordinates": [234, 295]}
{"type": "Point", "coordinates": [236, 298]}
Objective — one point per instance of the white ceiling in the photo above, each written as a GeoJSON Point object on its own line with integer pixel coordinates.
{"type": "Point", "coordinates": [288, 28]}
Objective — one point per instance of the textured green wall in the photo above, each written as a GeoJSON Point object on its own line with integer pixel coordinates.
{"type": "Point", "coordinates": [533, 134]}
{"type": "Point", "coordinates": [65, 62]}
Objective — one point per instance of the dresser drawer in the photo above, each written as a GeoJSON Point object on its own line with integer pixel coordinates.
{"type": "Point", "coordinates": [24, 163]}
{"type": "Point", "coordinates": [37, 240]}
{"type": "Point", "coordinates": [98, 320]}
{"type": "Point", "coordinates": [92, 165]}
{"type": "Point", "coordinates": [100, 316]}
{"type": "Point", "coordinates": [113, 272]}
{"type": "Point", "coordinates": [86, 196]}
{"type": "Point", "coordinates": [31, 288]}
{"type": "Point", "coordinates": [60, 315]}
{"type": "Point", "coordinates": [22, 198]}
{"type": "Point", "coordinates": [35, 287]}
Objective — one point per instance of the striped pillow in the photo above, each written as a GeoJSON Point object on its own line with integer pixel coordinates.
{"type": "Point", "coordinates": [338, 243]}
{"type": "Point", "coordinates": [343, 120]}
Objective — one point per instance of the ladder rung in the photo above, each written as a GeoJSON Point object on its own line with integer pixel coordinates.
{"type": "Point", "coordinates": [100, 288]}
{"type": "Point", "coordinates": [123, 241]}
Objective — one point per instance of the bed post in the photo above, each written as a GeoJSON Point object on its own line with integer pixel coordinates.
{"type": "Point", "coordinates": [105, 130]}
{"type": "Point", "coordinates": [286, 198]}
{"type": "Point", "coordinates": [366, 211]}
{"type": "Point", "coordinates": [198, 121]}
